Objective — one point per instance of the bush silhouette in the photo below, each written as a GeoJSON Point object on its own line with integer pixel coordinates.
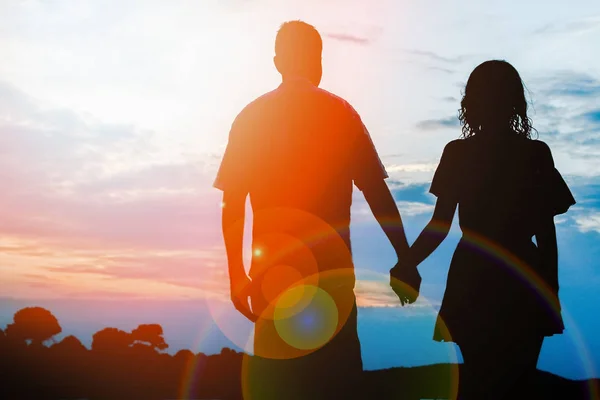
{"type": "Point", "coordinates": [184, 356]}
{"type": "Point", "coordinates": [111, 340]}
{"type": "Point", "coordinates": [3, 342]}
{"type": "Point", "coordinates": [34, 324]}
{"type": "Point", "coordinates": [124, 365]}
{"type": "Point", "coordinates": [69, 345]}
{"type": "Point", "coordinates": [151, 335]}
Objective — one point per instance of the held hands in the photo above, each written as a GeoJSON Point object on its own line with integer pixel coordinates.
{"type": "Point", "coordinates": [405, 280]}
{"type": "Point", "coordinates": [240, 289]}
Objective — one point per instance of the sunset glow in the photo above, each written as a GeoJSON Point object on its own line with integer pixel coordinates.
{"type": "Point", "coordinates": [114, 116]}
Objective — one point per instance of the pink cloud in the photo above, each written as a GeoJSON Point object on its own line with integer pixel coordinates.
{"type": "Point", "coordinates": [76, 229]}
{"type": "Point", "coordinates": [53, 183]}
{"type": "Point", "coordinates": [74, 187]}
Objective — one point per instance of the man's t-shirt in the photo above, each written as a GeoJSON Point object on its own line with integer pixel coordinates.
{"type": "Point", "coordinates": [297, 151]}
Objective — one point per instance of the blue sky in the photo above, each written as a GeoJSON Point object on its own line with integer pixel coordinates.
{"type": "Point", "coordinates": [114, 116]}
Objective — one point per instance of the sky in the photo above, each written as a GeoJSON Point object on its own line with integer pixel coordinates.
{"type": "Point", "coordinates": [114, 116]}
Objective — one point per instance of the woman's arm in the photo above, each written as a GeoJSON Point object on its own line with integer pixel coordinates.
{"type": "Point", "coordinates": [434, 233]}
{"type": "Point", "coordinates": [405, 279]}
{"type": "Point", "coordinates": [546, 242]}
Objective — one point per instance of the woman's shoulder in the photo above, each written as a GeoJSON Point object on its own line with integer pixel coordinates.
{"type": "Point", "coordinates": [539, 145]}
{"type": "Point", "coordinates": [531, 146]}
{"type": "Point", "coordinates": [541, 152]}
{"type": "Point", "coordinates": [455, 145]}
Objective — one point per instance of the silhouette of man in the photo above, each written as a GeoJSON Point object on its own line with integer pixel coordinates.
{"type": "Point", "coordinates": [296, 152]}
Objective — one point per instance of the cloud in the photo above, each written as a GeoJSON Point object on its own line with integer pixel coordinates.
{"type": "Point", "coordinates": [413, 208]}
{"type": "Point", "coordinates": [432, 56]}
{"type": "Point", "coordinates": [69, 177]}
{"type": "Point", "coordinates": [377, 294]}
{"type": "Point", "coordinates": [434, 61]}
{"type": "Point", "coordinates": [414, 192]}
{"type": "Point", "coordinates": [435, 124]}
{"type": "Point", "coordinates": [204, 271]}
{"type": "Point", "coordinates": [77, 268]}
{"type": "Point", "coordinates": [95, 205]}
{"type": "Point", "coordinates": [561, 219]}
{"type": "Point", "coordinates": [588, 222]}
{"type": "Point", "coordinates": [345, 37]}
{"type": "Point", "coordinates": [592, 116]}
{"type": "Point", "coordinates": [441, 69]}
{"type": "Point", "coordinates": [586, 214]}
{"type": "Point", "coordinates": [416, 167]}
{"type": "Point", "coordinates": [402, 175]}
{"type": "Point", "coordinates": [568, 119]}
{"type": "Point", "coordinates": [451, 99]}
{"type": "Point", "coordinates": [571, 27]}
{"type": "Point", "coordinates": [571, 84]}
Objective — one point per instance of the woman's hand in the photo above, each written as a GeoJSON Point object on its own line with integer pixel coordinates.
{"type": "Point", "coordinates": [404, 277]}
{"type": "Point", "coordinates": [405, 280]}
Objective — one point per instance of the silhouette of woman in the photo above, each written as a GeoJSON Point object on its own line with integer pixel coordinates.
{"type": "Point", "coordinates": [501, 297]}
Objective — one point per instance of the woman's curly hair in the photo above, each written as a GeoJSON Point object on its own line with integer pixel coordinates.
{"type": "Point", "coordinates": [494, 99]}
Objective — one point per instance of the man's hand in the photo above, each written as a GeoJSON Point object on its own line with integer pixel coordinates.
{"type": "Point", "coordinates": [240, 287]}
{"type": "Point", "coordinates": [386, 212]}
{"type": "Point", "coordinates": [404, 277]}
{"type": "Point", "coordinates": [233, 233]}
{"type": "Point", "coordinates": [405, 280]}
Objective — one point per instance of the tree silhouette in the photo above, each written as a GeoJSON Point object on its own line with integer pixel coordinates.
{"type": "Point", "coordinates": [184, 355]}
{"type": "Point", "coordinates": [35, 324]}
{"type": "Point", "coordinates": [150, 335]}
{"type": "Point", "coordinates": [69, 345]}
{"type": "Point", "coordinates": [111, 339]}
{"type": "Point", "coordinates": [227, 352]}
{"type": "Point", "coordinates": [126, 365]}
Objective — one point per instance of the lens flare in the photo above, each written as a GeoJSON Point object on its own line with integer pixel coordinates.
{"type": "Point", "coordinates": [496, 252]}
{"type": "Point", "coordinates": [295, 290]}
{"type": "Point", "coordinates": [280, 278]}
{"type": "Point", "coordinates": [306, 317]}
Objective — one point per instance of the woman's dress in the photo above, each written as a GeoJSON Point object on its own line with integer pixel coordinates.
{"type": "Point", "coordinates": [497, 284]}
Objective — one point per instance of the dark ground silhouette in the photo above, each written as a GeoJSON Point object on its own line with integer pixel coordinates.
{"type": "Point", "coordinates": [132, 365]}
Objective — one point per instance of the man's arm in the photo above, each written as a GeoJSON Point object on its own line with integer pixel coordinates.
{"type": "Point", "coordinates": [233, 178]}
{"type": "Point", "coordinates": [386, 212]}
{"type": "Point", "coordinates": [404, 277]}
{"type": "Point", "coordinates": [233, 232]}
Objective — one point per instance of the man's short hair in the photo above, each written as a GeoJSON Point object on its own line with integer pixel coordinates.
{"type": "Point", "coordinates": [297, 40]}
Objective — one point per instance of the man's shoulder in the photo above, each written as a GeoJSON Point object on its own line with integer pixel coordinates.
{"type": "Point", "coordinates": [261, 104]}
{"type": "Point", "coordinates": [256, 105]}
{"type": "Point", "coordinates": [337, 100]}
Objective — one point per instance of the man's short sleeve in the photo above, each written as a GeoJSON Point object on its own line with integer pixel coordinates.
{"type": "Point", "coordinates": [367, 165]}
{"type": "Point", "coordinates": [234, 172]}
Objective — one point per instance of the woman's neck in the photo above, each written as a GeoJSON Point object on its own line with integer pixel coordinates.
{"type": "Point", "coordinates": [496, 130]}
